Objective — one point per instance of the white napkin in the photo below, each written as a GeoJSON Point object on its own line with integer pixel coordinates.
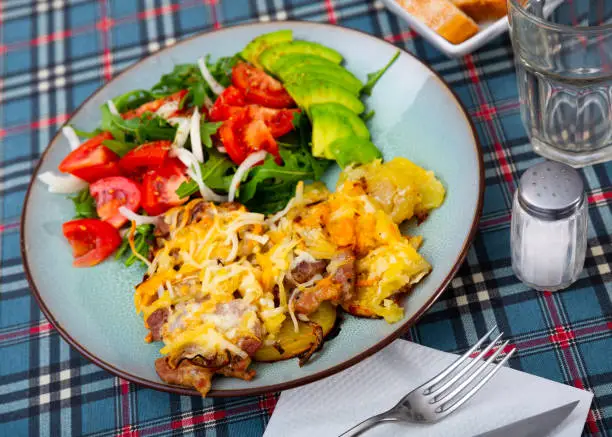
{"type": "Point", "coordinates": [332, 405]}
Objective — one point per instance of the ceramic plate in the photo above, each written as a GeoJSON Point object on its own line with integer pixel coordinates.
{"type": "Point", "coordinates": [417, 116]}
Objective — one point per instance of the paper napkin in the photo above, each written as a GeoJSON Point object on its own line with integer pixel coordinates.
{"type": "Point", "coordinates": [332, 405]}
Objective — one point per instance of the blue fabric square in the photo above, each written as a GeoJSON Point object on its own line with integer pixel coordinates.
{"type": "Point", "coordinates": [83, 90]}
{"type": "Point", "coordinates": [20, 358]}
{"type": "Point", "coordinates": [16, 428]}
{"type": "Point", "coordinates": [246, 429]}
{"type": "Point", "coordinates": [84, 14]}
{"type": "Point", "coordinates": [97, 415]}
{"type": "Point", "coordinates": [16, 145]}
{"type": "Point", "coordinates": [85, 44]}
{"type": "Point", "coordinates": [544, 364]}
{"type": "Point", "coordinates": [482, 134]}
{"type": "Point", "coordinates": [525, 316]}
{"type": "Point", "coordinates": [503, 87]}
{"type": "Point", "coordinates": [581, 304]}
{"type": "Point", "coordinates": [493, 200]}
{"type": "Point", "coordinates": [17, 112]}
{"type": "Point", "coordinates": [591, 353]}
{"type": "Point", "coordinates": [13, 204]}
{"type": "Point", "coordinates": [496, 243]}
{"type": "Point", "coordinates": [120, 8]}
{"type": "Point", "coordinates": [17, 30]}
{"type": "Point", "coordinates": [125, 34]}
{"type": "Point", "coordinates": [439, 334]}
{"type": "Point", "coordinates": [14, 311]}
{"type": "Point", "coordinates": [152, 404]}
{"type": "Point", "coordinates": [235, 10]}
{"type": "Point", "coordinates": [513, 126]}
{"type": "Point", "coordinates": [465, 95]}
{"type": "Point", "coordinates": [193, 18]}
{"type": "Point", "coordinates": [16, 61]}
{"type": "Point", "coordinates": [359, 22]}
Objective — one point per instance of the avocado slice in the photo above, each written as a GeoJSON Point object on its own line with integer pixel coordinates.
{"type": "Point", "coordinates": [353, 150]}
{"type": "Point", "coordinates": [299, 58]}
{"type": "Point", "coordinates": [308, 93]}
{"type": "Point", "coordinates": [253, 49]}
{"type": "Point", "coordinates": [332, 121]}
{"type": "Point", "coordinates": [338, 75]}
{"type": "Point", "coordinates": [272, 54]}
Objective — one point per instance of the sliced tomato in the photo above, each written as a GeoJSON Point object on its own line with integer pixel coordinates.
{"type": "Point", "coordinates": [227, 104]}
{"type": "Point", "coordinates": [145, 157]}
{"type": "Point", "coordinates": [243, 135]}
{"type": "Point", "coordinates": [111, 194]}
{"type": "Point", "coordinates": [154, 105]}
{"type": "Point", "coordinates": [91, 160]}
{"type": "Point", "coordinates": [260, 88]}
{"type": "Point", "coordinates": [92, 240]}
{"type": "Point", "coordinates": [159, 187]}
{"type": "Point", "coordinates": [279, 121]}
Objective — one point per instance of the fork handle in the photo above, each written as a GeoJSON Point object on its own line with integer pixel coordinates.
{"type": "Point", "coordinates": [368, 423]}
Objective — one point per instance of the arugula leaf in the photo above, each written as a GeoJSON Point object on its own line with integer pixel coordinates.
{"type": "Point", "coordinates": [143, 239]}
{"type": "Point", "coordinates": [221, 70]}
{"type": "Point", "coordinates": [119, 147]}
{"type": "Point", "coordinates": [84, 204]}
{"type": "Point", "coordinates": [85, 134]}
{"type": "Point", "coordinates": [217, 173]}
{"type": "Point", "coordinates": [182, 77]}
{"type": "Point", "coordinates": [207, 129]}
{"type": "Point", "coordinates": [132, 100]}
{"type": "Point", "coordinates": [108, 123]}
{"type": "Point", "coordinates": [376, 75]}
{"type": "Point", "coordinates": [368, 115]}
{"type": "Point", "coordinates": [148, 127]}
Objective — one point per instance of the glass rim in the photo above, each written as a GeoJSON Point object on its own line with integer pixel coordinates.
{"type": "Point", "coordinates": [560, 27]}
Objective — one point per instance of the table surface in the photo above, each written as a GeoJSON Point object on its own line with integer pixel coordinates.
{"type": "Point", "coordinates": [54, 54]}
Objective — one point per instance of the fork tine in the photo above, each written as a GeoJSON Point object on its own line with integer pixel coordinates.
{"type": "Point", "coordinates": [483, 366]}
{"type": "Point", "coordinates": [478, 386]}
{"type": "Point", "coordinates": [467, 368]}
{"type": "Point", "coordinates": [457, 363]}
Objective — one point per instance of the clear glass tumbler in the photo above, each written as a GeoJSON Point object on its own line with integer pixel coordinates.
{"type": "Point", "coordinates": [563, 56]}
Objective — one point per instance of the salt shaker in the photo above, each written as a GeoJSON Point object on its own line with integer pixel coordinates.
{"type": "Point", "coordinates": [549, 226]}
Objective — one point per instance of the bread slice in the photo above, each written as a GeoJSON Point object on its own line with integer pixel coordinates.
{"type": "Point", "coordinates": [483, 10]}
{"type": "Point", "coordinates": [443, 17]}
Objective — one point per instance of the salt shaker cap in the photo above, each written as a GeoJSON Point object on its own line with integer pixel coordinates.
{"type": "Point", "coordinates": [551, 190]}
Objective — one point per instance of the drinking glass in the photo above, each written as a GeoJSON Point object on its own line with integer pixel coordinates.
{"type": "Point", "coordinates": [563, 56]}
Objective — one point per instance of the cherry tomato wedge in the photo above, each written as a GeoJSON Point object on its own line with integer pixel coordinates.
{"type": "Point", "coordinates": [259, 87]}
{"type": "Point", "coordinates": [159, 187]}
{"type": "Point", "coordinates": [91, 160]}
{"type": "Point", "coordinates": [279, 121]}
{"type": "Point", "coordinates": [154, 105]}
{"type": "Point", "coordinates": [144, 157]}
{"type": "Point", "coordinates": [227, 104]}
{"type": "Point", "coordinates": [92, 241]}
{"type": "Point", "coordinates": [243, 135]}
{"type": "Point", "coordinates": [111, 194]}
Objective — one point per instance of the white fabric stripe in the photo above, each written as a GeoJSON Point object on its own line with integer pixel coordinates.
{"type": "Point", "coordinates": [6, 172]}
{"type": "Point", "coordinates": [151, 22]}
{"type": "Point", "coordinates": [15, 182]}
{"type": "Point", "coordinates": [13, 286]}
{"type": "Point", "coordinates": [168, 24]}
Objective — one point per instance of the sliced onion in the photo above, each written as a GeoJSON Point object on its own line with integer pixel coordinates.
{"type": "Point", "coordinates": [112, 108]}
{"type": "Point", "coordinates": [62, 183]}
{"type": "Point", "coordinates": [222, 150]}
{"type": "Point", "coordinates": [207, 102]}
{"type": "Point", "coordinates": [195, 172]}
{"type": "Point", "coordinates": [167, 109]}
{"type": "Point", "coordinates": [196, 140]}
{"type": "Point", "coordinates": [251, 161]}
{"type": "Point", "coordinates": [71, 136]}
{"type": "Point", "coordinates": [137, 218]}
{"type": "Point", "coordinates": [182, 133]}
{"type": "Point", "coordinates": [215, 86]}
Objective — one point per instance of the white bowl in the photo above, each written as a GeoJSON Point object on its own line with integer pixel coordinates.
{"type": "Point", "coordinates": [488, 31]}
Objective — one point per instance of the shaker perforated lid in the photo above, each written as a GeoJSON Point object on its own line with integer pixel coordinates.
{"type": "Point", "coordinates": [551, 190]}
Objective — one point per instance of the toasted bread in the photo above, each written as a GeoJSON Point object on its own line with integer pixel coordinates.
{"type": "Point", "coordinates": [442, 16]}
{"type": "Point", "coordinates": [483, 10]}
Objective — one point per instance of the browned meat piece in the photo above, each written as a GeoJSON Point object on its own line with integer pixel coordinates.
{"type": "Point", "coordinates": [156, 321]}
{"type": "Point", "coordinates": [249, 345]}
{"type": "Point", "coordinates": [186, 374]}
{"type": "Point", "coordinates": [238, 369]}
{"type": "Point", "coordinates": [337, 287]}
{"type": "Point", "coordinates": [305, 270]}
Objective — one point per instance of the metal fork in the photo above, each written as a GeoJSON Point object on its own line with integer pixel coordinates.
{"type": "Point", "coordinates": [446, 392]}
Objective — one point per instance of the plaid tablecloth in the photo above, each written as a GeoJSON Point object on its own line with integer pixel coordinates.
{"type": "Point", "coordinates": [53, 54]}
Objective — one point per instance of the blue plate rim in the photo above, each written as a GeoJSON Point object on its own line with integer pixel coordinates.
{"type": "Point", "coordinates": [403, 328]}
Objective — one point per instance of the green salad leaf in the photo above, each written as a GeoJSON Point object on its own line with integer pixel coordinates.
{"type": "Point", "coordinates": [119, 147]}
{"type": "Point", "coordinates": [368, 115]}
{"type": "Point", "coordinates": [207, 130]}
{"type": "Point", "coordinates": [108, 121]}
{"type": "Point", "coordinates": [143, 239]}
{"type": "Point", "coordinates": [221, 70]}
{"type": "Point", "coordinates": [84, 204]}
{"type": "Point", "coordinates": [148, 127]}
{"type": "Point", "coordinates": [217, 173]}
{"type": "Point", "coordinates": [376, 75]}
{"type": "Point", "coordinates": [132, 100]}
{"type": "Point", "coordinates": [85, 134]}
